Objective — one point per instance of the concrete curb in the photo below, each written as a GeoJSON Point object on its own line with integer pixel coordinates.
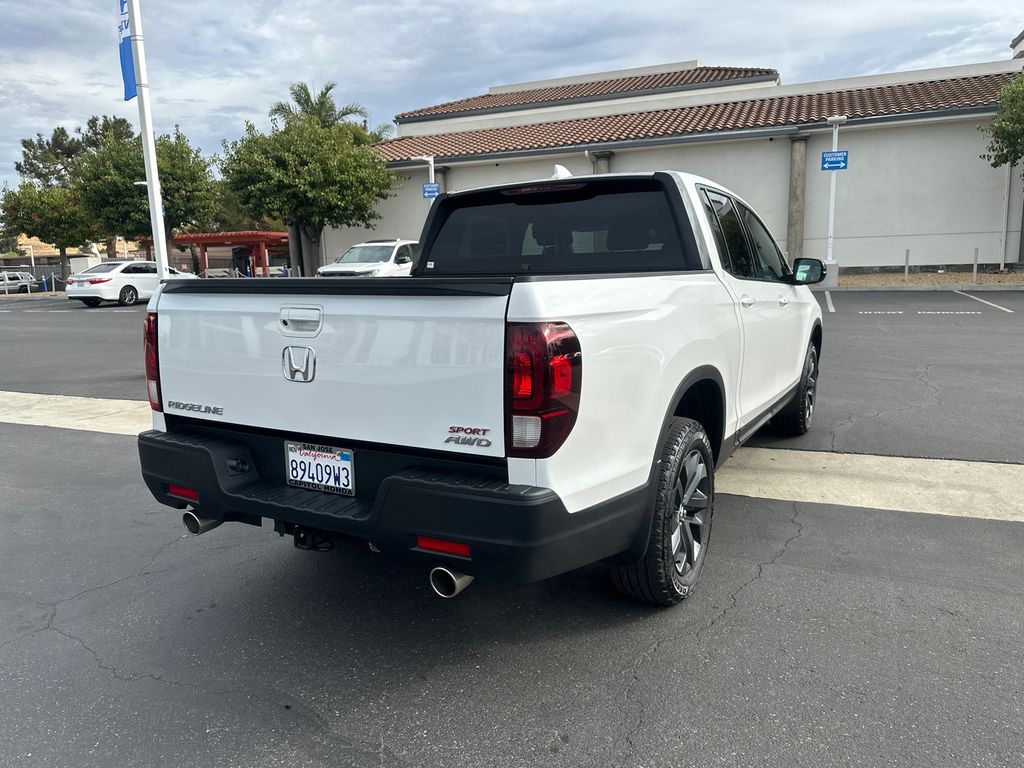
{"type": "Point", "coordinates": [32, 296]}
{"type": "Point", "coordinates": [966, 287]}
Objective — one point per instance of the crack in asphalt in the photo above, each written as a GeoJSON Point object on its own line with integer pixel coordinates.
{"type": "Point", "coordinates": [654, 647]}
{"type": "Point", "coordinates": [55, 607]}
{"type": "Point", "coordinates": [922, 377]}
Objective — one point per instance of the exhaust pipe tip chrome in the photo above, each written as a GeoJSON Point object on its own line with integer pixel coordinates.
{"type": "Point", "coordinates": [447, 583]}
{"type": "Point", "coordinates": [196, 525]}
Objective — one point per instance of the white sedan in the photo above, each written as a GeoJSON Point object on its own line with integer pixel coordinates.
{"type": "Point", "coordinates": [122, 281]}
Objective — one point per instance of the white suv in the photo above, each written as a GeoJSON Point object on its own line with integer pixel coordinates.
{"type": "Point", "coordinates": [18, 282]}
{"type": "Point", "coordinates": [122, 281]}
{"type": "Point", "coordinates": [374, 258]}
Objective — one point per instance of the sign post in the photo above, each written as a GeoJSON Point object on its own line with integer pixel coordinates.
{"type": "Point", "coordinates": [833, 161]}
{"type": "Point", "coordinates": [140, 88]}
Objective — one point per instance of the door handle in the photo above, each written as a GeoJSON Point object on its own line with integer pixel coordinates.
{"type": "Point", "coordinates": [783, 301]}
{"type": "Point", "coordinates": [300, 320]}
{"type": "Point", "coordinates": [748, 301]}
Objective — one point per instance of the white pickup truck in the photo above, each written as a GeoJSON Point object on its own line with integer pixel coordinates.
{"type": "Point", "coordinates": [552, 387]}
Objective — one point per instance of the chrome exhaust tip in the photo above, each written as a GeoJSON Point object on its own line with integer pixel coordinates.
{"type": "Point", "coordinates": [446, 583]}
{"type": "Point", "coordinates": [196, 525]}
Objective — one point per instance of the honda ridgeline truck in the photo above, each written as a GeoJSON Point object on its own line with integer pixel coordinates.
{"type": "Point", "coordinates": [553, 386]}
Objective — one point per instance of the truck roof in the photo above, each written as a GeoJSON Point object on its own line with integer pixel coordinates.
{"type": "Point", "coordinates": [689, 179]}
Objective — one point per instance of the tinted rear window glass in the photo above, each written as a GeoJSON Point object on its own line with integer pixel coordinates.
{"type": "Point", "coordinates": [558, 228]}
{"type": "Point", "coordinates": [109, 267]}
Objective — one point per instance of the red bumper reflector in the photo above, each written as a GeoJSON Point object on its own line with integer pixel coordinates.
{"type": "Point", "coordinates": [185, 493]}
{"type": "Point", "coordinates": [441, 545]}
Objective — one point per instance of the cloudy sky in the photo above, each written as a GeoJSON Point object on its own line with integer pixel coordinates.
{"type": "Point", "coordinates": [214, 65]}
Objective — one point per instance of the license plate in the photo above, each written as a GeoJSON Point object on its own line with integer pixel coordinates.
{"type": "Point", "coordinates": [320, 468]}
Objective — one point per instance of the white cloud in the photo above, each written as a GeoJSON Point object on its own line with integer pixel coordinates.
{"type": "Point", "coordinates": [212, 71]}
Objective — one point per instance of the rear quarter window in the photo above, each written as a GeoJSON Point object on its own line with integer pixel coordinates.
{"type": "Point", "coordinates": [618, 225]}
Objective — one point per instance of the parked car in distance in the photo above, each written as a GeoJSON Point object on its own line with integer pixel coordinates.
{"type": "Point", "coordinates": [18, 282]}
{"type": "Point", "coordinates": [374, 258]}
{"type": "Point", "coordinates": [122, 281]}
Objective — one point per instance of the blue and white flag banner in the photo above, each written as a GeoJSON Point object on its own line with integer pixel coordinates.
{"type": "Point", "coordinates": [124, 37]}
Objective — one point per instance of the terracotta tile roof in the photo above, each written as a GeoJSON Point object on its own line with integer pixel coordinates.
{"type": "Point", "coordinates": [664, 81]}
{"type": "Point", "coordinates": [906, 98]}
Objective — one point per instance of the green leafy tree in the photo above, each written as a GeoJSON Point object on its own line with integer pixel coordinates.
{"type": "Point", "coordinates": [106, 180]}
{"type": "Point", "coordinates": [1006, 133]}
{"type": "Point", "coordinates": [230, 215]}
{"type": "Point", "coordinates": [49, 160]}
{"type": "Point", "coordinates": [307, 174]}
{"type": "Point", "coordinates": [8, 243]}
{"type": "Point", "coordinates": [53, 214]}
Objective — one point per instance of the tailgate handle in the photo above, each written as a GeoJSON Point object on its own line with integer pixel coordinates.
{"type": "Point", "coordinates": [301, 321]}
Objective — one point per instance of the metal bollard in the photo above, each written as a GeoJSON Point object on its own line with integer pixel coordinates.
{"type": "Point", "coordinates": [906, 267]}
{"type": "Point", "coordinates": [975, 279]}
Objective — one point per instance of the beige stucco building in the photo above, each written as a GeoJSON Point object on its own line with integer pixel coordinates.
{"type": "Point", "coordinates": [915, 181]}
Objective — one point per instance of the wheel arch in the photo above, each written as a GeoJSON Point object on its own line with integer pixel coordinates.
{"type": "Point", "coordinates": [700, 396]}
{"type": "Point", "coordinates": [816, 337]}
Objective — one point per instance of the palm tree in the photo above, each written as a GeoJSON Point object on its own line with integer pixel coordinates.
{"type": "Point", "coordinates": [321, 106]}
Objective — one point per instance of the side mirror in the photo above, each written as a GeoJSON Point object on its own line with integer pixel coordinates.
{"type": "Point", "coordinates": [808, 271]}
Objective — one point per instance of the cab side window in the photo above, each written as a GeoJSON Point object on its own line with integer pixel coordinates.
{"type": "Point", "coordinates": [770, 264]}
{"type": "Point", "coordinates": [741, 262]}
{"type": "Point", "coordinates": [404, 255]}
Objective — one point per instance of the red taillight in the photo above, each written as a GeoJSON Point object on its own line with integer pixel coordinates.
{"type": "Point", "coordinates": [152, 368]}
{"type": "Point", "coordinates": [98, 280]}
{"type": "Point", "coordinates": [443, 545]}
{"type": "Point", "coordinates": [544, 370]}
{"type": "Point", "coordinates": [185, 493]}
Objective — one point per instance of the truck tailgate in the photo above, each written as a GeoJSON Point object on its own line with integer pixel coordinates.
{"type": "Point", "coordinates": [403, 361]}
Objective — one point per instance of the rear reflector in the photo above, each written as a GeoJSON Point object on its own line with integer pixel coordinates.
{"type": "Point", "coordinates": [442, 545]}
{"type": "Point", "coordinates": [185, 493]}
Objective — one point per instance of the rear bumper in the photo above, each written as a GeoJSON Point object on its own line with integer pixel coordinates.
{"type": "Point", "coordinates": [92, 292]}
{"type": "Point", "coordinates": [515, 533]}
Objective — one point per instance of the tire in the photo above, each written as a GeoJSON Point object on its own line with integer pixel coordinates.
{"type": "Point", "coordinates": [91, 302]}
{"type": "Point", "coordinates": [676, 548]}
{"type": "Point", "coordinates": [798, 415]}
{"type": "Point", "coordinates": [128, 296]}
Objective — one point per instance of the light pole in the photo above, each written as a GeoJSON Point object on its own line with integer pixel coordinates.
{"type": "Point", "coordinates": [156, 206]}
{"type": "Point", "coordinates": [835, 121]}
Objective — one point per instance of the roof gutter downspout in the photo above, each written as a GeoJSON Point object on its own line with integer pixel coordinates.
{"type": "Point", "coordinates": [1006, 219]}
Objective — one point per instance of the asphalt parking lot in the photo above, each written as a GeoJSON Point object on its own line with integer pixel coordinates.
{"type": "Point", "coordinates": [819, 635]}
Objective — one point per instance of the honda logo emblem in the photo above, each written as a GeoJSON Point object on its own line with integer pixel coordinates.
{"type": "Point", "coordinates": [298, 363]}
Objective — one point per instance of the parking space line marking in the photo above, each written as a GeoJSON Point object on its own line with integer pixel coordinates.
{"type": "Point", "coordinates": [828, 300]}
{"type": "Point", "coordinates": [934, 486]}
{"type": "Point", "coordinates": [969, 296]}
